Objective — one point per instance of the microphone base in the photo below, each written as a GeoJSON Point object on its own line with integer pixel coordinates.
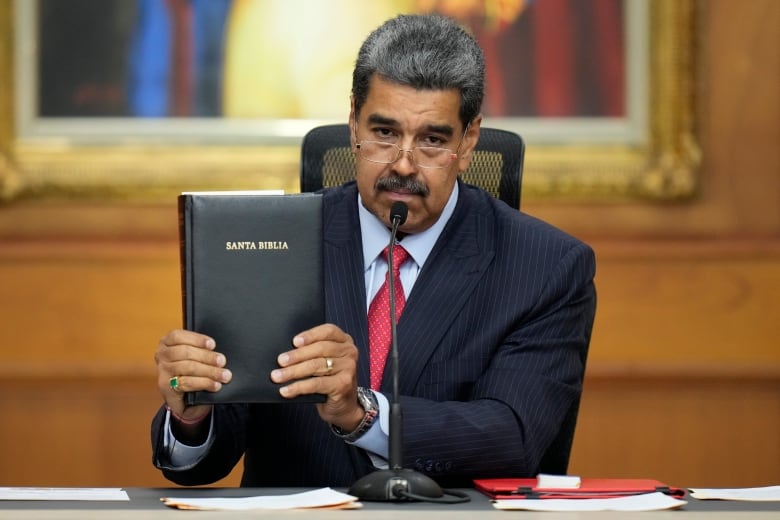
{"type": "Point", "coordinates": [391, 485]}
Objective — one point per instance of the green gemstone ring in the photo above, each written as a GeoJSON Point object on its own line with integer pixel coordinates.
{"type": "Point", "coordinates": [174, 382]}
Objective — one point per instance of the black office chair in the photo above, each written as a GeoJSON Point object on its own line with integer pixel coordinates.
{"type": "Point", "coordinates": [497, 166]}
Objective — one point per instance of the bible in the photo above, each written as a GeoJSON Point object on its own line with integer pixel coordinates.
{"type": "Point", "coordinates": [252, 278]}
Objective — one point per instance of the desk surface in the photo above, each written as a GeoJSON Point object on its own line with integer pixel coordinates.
{"type": "Point", "coordinates": [145, 503]}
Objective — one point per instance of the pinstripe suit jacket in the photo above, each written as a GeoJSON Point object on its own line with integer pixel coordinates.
{"type": "Point", "coordinates": [492, 343]}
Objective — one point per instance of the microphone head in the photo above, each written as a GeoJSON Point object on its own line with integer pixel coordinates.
{"type": "Point", "coordinates": [398, 211]}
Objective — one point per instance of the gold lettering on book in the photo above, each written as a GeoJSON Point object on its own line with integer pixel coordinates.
{"type": "Point", "coordinates": [250, 245]}
{"type": "Point", "coordinates": [272, 245]}
{"type": "Point", "coordinates": [240, 246]}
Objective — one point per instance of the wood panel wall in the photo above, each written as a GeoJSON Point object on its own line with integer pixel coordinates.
{"type": "Point", "coordinates": [683, 382]}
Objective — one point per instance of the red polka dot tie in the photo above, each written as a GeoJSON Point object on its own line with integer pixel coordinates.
{"type": "Point", "coordinates": [379, 317]}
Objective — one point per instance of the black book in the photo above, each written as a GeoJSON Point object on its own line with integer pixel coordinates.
{"type": "Point", "coordinates": [252, 278]}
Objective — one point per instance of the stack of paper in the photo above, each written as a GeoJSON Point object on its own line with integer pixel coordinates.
{"type": "Point", "coordinates": [63, 493]}
{"type": "Point", "coordinates": [756, 494]}
{"type": "Point", "coordinates": [643, 502]}
{"type": "Point", "coordinates": [324, 498]}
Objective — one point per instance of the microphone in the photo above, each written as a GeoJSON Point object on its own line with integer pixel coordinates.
{"type": "Point", "coordinates": [396, 483]}
{"type": "Point", "coordinates": [398, 213]}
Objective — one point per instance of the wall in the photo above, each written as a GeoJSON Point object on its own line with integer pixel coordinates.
{"type": "Point", "coordinates": [683, 382]}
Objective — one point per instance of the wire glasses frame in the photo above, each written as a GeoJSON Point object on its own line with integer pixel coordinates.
{"type": "Point", "coordinates": [430, 157]}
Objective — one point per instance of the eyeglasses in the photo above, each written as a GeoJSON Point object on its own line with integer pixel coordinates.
{"type": "Point", "coordinates": [423, 156]}
{"type": "Point", "coordinates": [388, 153]}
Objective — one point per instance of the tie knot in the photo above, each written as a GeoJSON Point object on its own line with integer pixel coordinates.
{"type": "Point", "coordinates": [400, 255]}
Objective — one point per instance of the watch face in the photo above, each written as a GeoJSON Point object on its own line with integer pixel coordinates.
{"type": "Point", "coordinates": [366, 398]}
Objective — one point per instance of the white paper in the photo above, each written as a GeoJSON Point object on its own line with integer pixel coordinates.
{"type": "Point", "coordinates": [643, 502]}
{"type": "Point", "coordinates": [63, 493]}
{"type": "Point", "coordinates": [318, 498]}
{"type": "Point", "coordinates": [756, 494]}
{"type": "Point", "coordinates": [545, 481]}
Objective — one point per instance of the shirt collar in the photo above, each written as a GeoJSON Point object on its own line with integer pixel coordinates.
{"type": "Point", "coordinates": [375, 235]}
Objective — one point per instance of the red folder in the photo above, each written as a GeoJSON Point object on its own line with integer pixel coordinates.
{"type": "Point", "coordinates": [508, 488]}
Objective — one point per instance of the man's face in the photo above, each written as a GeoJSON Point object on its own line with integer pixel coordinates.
{"type": "Point", "coordinates": [408, 117]}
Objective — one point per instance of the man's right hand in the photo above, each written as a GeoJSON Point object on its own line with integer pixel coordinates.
{"type": "Point", "coordinates": [191, 358]}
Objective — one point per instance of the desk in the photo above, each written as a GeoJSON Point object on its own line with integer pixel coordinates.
{"type": "Point", "coordinates": [145, 504]}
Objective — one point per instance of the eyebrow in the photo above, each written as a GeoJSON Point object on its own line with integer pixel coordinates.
{"type": "Point", "coordinates": [378, 119]}
{"type": "Point", "coordinates": [381, 120]}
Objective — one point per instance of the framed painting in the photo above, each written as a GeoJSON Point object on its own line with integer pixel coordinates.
{"type": "Point", "coordinates": [145, 98]}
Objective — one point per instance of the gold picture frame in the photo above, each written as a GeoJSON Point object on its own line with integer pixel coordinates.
{"type": "Point", "coordinates": [663, 166]}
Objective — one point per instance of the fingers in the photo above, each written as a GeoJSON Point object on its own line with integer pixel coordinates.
{"type": "Point", "coordinates": [187, 337]}
{"type": "Point", "coordinates": [334, 387]}
{"type": "Point", "coordinates": [322, 351]}
{"type": "Point", "coordinates": [326, 332]}
{"type": "Point", "coordinates": [181, 384]}
{"type": "Point", "coordinates": [187, 362]}
{"type": "Point", "coordinates": [313, 376]}
{"type": "Point", "coordinates": [322, 341]}
{"type": "Point", "coordinates": [323, 361]}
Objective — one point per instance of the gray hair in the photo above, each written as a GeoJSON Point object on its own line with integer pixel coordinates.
{"type": "Point", "coordinates": [429, 52]}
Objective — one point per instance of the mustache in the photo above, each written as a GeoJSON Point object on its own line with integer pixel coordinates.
{"type": "Point", "coordinates": [397, 183]}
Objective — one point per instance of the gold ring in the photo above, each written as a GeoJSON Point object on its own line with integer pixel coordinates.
{"type": "Point", "coordinates": [328, 365]}
{"type": "Point", "coordinates": [175, 384]}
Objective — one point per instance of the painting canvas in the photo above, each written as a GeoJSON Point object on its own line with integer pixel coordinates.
{"type": "Point", "coordinates": [273, 68]}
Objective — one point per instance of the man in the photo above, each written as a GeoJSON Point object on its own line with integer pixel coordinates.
{"type": "Point", "coordinates": [497, 319]}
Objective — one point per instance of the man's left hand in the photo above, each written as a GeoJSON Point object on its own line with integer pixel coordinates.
{"type": "Point", "coordinates": [324, 361]}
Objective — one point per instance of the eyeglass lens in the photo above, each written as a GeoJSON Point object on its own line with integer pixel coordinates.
{"type": "Point", "coordinates": [423, 156]}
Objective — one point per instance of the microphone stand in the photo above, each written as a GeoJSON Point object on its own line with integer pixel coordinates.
{"type": "Point", "coordinates": [396, 483]}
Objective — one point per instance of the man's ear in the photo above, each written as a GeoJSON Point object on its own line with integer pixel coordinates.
{"type": "Point", "coordinates": [352, 118]}
{"type": "Point", "coordinates": [469, 143]}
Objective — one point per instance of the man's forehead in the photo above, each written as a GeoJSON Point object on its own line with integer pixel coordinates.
{"type": "Point", "coordinates": [391, 104]}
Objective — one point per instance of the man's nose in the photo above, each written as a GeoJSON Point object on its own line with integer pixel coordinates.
{"type": "Point", "coordinates": [405, 164]}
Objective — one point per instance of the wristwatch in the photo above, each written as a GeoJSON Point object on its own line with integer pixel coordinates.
{"type": "Point", "coordinates": [367, 400]}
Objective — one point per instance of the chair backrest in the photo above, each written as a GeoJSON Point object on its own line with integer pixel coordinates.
{"type": "Point", "coordinates": [497, 165]}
